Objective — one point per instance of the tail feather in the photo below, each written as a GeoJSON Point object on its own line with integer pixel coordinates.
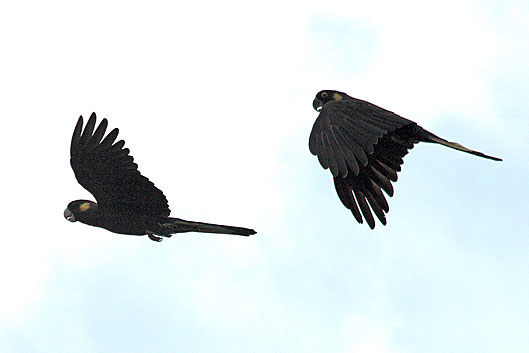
{"type": "Point", "coordinates": [426, 136]}
{"type": "Point", "coordinates": [175, 225]}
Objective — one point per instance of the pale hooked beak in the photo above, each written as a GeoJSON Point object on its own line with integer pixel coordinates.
{"type": "Point", "coordinates": [317, 104]}
{"type": "Point", "coordinates": [69, 215]}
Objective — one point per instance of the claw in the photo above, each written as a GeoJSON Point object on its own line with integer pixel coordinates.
{"type": "Point", "coordinates": [154, 237]}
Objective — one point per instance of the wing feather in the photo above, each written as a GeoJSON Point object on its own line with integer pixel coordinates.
{"type": "Point", "coordinates": [364, 207]}
{"type": "Point", "coordinates": [88, 130]}
{"type": "Point", "coordinates": [107, 170]}
{"type": "Point", "coordinates": [345, 194]}
{"type": "Point", "coordinates": [76, 135]}
{"type": "Point", "coordinates": [347, 153]}
{"type": "Point", "coordinates": [355, 145]}
{"type": "Point", "coordinates": [376, 207]}
{"type": "Point", "coordinates": [109, 139]}
{"type": "Point", "coordinates": [331, 153]}
{"type": "Point", "coordinates": [379, 196]}
{"type": "Point", "coordinates": [99, 133]}
{"type": "Point", "coordinates": [382, 181]}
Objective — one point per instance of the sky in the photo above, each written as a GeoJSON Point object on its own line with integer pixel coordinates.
{"type": "Point", "coordinates": [214, 99]}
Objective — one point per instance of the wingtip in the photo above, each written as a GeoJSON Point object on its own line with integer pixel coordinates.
{"type": "Point", "coordinates": [76, 135]}
{"type": "Point", "coordinates": [80, 122]}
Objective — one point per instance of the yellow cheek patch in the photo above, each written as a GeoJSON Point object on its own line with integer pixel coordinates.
{"type": "Point", "coordinates": [84, 206]}
{"type": "Point", "coordinates": [337, 97]}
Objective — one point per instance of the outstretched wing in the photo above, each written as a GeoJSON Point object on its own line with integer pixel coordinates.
{"type": "Point", "coordinates": [107, 171]}
{"type": "Point", "coordinates": [363, 146]}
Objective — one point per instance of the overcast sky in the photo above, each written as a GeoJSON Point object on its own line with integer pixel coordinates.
{"type": "Point", "coordinates": [214, 99]}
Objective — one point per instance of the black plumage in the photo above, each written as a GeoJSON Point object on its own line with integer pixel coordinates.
{"type": "Point", "coordinates": [127, 202]}
{"type": "Point", "coordinates": [363, 145]}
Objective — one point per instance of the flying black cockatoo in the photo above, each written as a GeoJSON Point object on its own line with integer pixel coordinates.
{"type": "Point", "coordinates": [127, 202]}
{"type": "Point", "coordinates": [363, 146]}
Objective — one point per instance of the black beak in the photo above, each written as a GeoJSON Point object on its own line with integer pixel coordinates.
{"type": "Point", "coordinates": [69, 215]}
{"type": "Point", "coordinates": [317, 104]}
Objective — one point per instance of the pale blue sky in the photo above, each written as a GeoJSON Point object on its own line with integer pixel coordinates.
{"type": "Point", "coordinates": [214, 99]}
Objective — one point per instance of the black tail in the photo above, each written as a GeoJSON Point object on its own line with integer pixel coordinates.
{"type": "Point", "coordinates": [175, 225]}
{"type": "Point", "coordinates": [427, 136]}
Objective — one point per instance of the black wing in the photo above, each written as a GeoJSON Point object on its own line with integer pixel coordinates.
{"type": "Point", "coordinates": [363, 146]}
{"type": "Point", "coordinates": [108, 172]}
